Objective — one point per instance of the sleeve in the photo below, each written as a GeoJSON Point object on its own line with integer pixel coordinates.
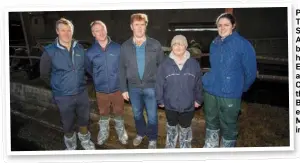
{"type": "Point", "coordinates": [45, 68]}
{"type": "Point", "coordinates": [88, 65]}
{"type": "Point", "coordinates": [159, 85]}
{"type": "Point", "coordinates": [122, 71]}
{"type": "Point", "coordinates": [161, 55]}
{"type": "Point", "coordinates": [198, 88]}
{"type": "Point", "coordinates": [249, 65]}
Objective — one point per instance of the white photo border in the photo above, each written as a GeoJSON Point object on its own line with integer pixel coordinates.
{"type": "Point", "coordinates": [139, 6]}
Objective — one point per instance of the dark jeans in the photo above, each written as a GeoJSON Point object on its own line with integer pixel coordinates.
{"type": "Point", "coordinates": [72, 106]}
{"type": "Point", "coordinates": [183, 119]}
{"type": "Point", "coordinates": [139, 99]}
{"type": "Point", "coordinates": [222, 113]}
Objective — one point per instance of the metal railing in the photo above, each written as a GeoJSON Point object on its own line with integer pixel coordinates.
{"type": "Point", "coordinates": [261, 58]}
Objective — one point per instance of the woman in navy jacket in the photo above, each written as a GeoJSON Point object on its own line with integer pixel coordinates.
{"type": "Point", "coordinates": [179, 90]}
{"type": "Point", "coordinates": [233, 70]}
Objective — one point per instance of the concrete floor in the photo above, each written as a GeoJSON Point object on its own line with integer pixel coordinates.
{"type": "Point", "coordinates": [260, 125]}
{"type": "Point", "coordinates": [37, 118]}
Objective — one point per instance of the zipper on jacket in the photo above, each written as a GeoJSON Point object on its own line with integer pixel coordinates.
{"type": "Point", "coordinates": [181, 88]}
{"type": "Point", "coordinates": [73, 57]}
{"type": "Point", "coordinates": [106, 69]}
{"type": "Point", "coordinates": [221, 51]}
{"type": "Point", "coordinates": [74, 69]}
{"type": "Point", "coordinates": [145, 64]}
{"type": "Point", "coordinates": [178, 71]}
{"type": "Point", "coordinates": [71, 54]}
{"type": "Point", "coordinates": [181, 72]}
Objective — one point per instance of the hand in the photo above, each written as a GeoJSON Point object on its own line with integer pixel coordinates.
{"type": "Point", "coordinates": [161, 105]}
{"type": "Point", "coordinates": [125, 96]}
{"type": "Point", "coordinates": [196, 104]}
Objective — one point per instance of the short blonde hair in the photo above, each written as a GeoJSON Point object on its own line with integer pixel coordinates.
{"type": "Point", "coordinates": [65, 22]}
{"type": "Point", "coordinates": [139, 17]}
{"type": "Point", "coordinates": [98, 22]}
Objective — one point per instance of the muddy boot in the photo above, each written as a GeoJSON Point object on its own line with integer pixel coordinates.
{"type": "Point", "coordinates": [152, 144]}
{"type": "Point", "coordinates": [121, 132]}
{"type": "Point", "coordinates": [71, 143]}
{"type": "Point", "coordinates": [103, 131]}
{"type": "Point", "coordinates": [172, 135]}
{"type": "Point", "coordinates": [137, 140]}
{"type": "Point", "coordinates": [227, 143]}
{"type": "Point", "coordinates": [211, 139]}
{"type": "Point", "coordinates": [185, 137]}
{"type": "Point", "coordinates": [86, 142]}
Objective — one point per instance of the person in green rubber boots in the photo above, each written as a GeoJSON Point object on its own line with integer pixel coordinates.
{"type": "Point", "coordinates": [233, 71]}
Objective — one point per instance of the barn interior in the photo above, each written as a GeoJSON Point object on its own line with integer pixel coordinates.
{"type": "Point", "coordinates": [264, 120]}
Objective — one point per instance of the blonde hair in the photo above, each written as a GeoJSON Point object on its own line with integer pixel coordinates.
{"type": "Point", "coordinates": [65, 22]}
{"type": "Point", "coordinates": [139, 17]}
{"type": "Point", "coordinates": [98, 22]}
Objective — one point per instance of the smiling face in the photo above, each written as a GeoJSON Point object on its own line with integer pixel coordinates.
{"type": "Point", "coordinates": [64, 33]}
{"type": "Point", "coordinates": [99, 32]}
{"type": "Point", "coordinates": [178, 49]}
{"type": "Point", "coordinates": [225, 27]}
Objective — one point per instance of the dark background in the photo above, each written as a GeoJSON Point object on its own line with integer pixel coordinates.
{"type": "Point", "coordinates": [265, 28]}
{"type": "Point", "coordinates": [252, 23]}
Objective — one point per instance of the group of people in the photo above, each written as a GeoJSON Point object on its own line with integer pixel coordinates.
{"type": "Point", "coordinates": [139, 72]}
